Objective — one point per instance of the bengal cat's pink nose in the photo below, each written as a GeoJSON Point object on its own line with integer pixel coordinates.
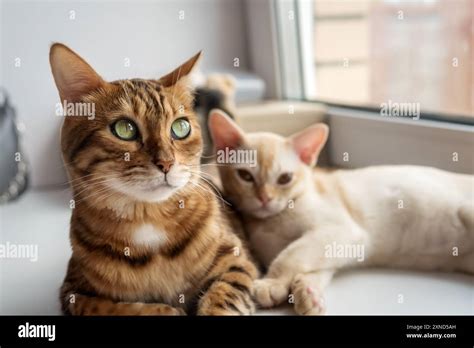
{"type": "Point", "coordinates": [165, 165]}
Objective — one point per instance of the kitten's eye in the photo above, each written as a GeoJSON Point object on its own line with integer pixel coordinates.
{"type": "Point", "coordinates": [125, 129]}
{"type": "Point", "coordinates": [285, 178]}
{"type": "Point", "coordinates": [180, 128]}
{"type": "Point", "coordinates": [245, 175]}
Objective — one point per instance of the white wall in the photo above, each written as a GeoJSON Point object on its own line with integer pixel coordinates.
{"type": "Point", "coordinates": [105, 33]}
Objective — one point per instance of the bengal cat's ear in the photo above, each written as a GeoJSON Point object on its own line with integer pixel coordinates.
{"type": "Point", "coordinates": [224, 131]}
{"type": "Point", "coordinates": [73, 76]}
{"type": "Point", "coordinates": [309, 142]}
{"type": "Point", "coordinates": [183, 70]}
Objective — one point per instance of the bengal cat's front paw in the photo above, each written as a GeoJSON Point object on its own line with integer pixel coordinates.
{"type": "Point", "coordinates": [270, 292]}
{"type": "Point", "coordinates": [225, 299]}
{"type": "Point", "coordinates": [223, 309]}
{"type": "Point", "coordinates": [308, 299]}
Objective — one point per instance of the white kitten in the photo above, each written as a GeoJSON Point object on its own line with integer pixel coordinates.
{"type": "Point", "coordinates": [306, 223]}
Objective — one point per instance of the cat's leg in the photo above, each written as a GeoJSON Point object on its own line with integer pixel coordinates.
{"type": "Point", "coordinates": [307, 291]}
{"type": "Point", "coordinates": [270, 292]}
{"type": "Point", "coordinates": [305, 255]}
{"type": "Point", "coordinates": [227, 290]}
{"type": "Point", "coordinates": [306, 288]}
{"type": "Point", "coordinates": [85, 305]}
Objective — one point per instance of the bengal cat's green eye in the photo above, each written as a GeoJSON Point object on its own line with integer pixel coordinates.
{"type": "Point", "coordinates": [180, 128]}
{"type": "Point", "coordinates": [125, 130]}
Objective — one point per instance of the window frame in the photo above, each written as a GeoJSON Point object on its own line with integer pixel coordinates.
{"type": "Point", "coordinates": [347, 120]}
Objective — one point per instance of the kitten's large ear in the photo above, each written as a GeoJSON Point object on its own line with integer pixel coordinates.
{"type": "Point", "coordinates": [73, 76]}
{"type": "Point", "coordinates": [183, 70]}
{"type": "Point", "coordinates": [309, 142]}
{"type": "Point", "coordinates": [224, 131]}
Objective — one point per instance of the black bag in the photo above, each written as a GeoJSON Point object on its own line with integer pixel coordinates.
{"type": "Point", "coordinates": [13, 167]}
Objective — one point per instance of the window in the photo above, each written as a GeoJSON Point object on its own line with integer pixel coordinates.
{"type": "Point", "coordinates": [367, 53]}
{"type": "Point", "coordinates": [368, 59]}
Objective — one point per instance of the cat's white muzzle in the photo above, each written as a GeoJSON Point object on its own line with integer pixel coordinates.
{"type": "Point", "coordinates": [158, 187]}
{"type": "Point", "coordinates": [261, 211]}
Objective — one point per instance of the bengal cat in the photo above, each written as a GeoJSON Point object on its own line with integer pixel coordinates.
{"type": "Point", "coordinates": [148, 235]}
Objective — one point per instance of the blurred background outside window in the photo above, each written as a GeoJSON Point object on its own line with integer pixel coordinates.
{"type": "Point", "coordinates": [369, 52]}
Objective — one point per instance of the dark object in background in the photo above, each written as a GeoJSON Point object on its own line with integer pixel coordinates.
{"type": "Point", "coordinates": [13, 168]}
{"type": "Point", "coordinates": [206, 99]}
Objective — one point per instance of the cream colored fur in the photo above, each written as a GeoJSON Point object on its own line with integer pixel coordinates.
{"type": "Point", "coordinates": [398, 216]}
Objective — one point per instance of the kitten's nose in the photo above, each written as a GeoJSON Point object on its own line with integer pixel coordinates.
{"type": "Point", "coordinates": [165, 165]}
{"type": "Point", "coordinates": [264, 198]}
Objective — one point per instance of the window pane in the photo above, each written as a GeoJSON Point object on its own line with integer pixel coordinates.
{"type": "Point", "coordinates": [373, 52]}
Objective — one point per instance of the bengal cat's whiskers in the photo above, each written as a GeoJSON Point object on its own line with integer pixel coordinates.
{"type": "Point", "coordinates": [206, 176]}
{"type": "Point", "coordinates": [85, 178]}
{"type": "Point", "coordinates": [214, 189]}
{"type": "Point", "coordinates": [209, 164]}
{"type": "Point", "coordinates": [94, 176]}
{"type": "Point", "coordinates": [68, 184]}
{"type": "Point", "coordinates": [193, 189]}
{"type": "Point", "coordinates": [94, 193]}
{"type": "Point", "coordinates": [197, 184]}
{"type": "Point", "coordinates": [201, 174]}
{"type": "Point", "coordinates": [110, 194]}
{"type": "Point", "coordinates": [85, 181]}
{"type": "Point", "coordinates": [102, 186]}
{"type": "Point", "coordinates": [103, 190]}
{"type": "Point", "coordinates": [91, 180]}
{"type": "Point", "coordinates": [89, 186]}
{"type": "Point", "coordinates": [95, 182]}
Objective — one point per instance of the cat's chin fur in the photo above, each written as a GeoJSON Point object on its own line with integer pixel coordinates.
{"type": "Point", "coordinates": [129, 206]}
{"type": "Point", "coordinates": [160, 194]}
{"type": "Point", "coordinates": [262, 213]}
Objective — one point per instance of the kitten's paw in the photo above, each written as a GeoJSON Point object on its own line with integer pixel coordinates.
{"type": "Point", "coordinates": [308, 299]}
{"type": "Point", "coordinates": [269, 292]}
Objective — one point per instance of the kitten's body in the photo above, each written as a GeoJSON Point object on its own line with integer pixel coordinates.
{"type": "Point", "coordinates": [405, 216]}
{"type": "Point", "coordinates": [395, 216]}
{"type": "Point", "coordinates": [148, 235]}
